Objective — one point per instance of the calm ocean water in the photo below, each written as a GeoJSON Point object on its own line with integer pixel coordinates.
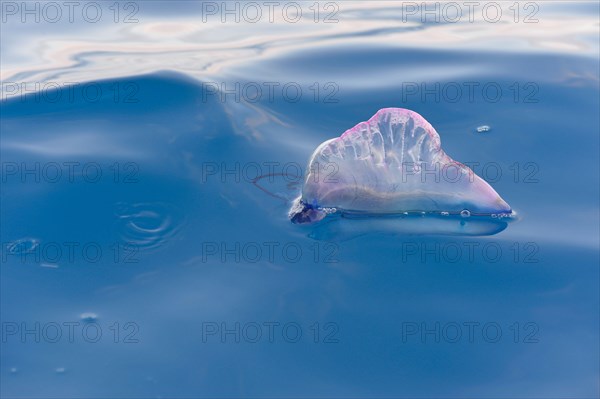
{"type": "Point", "coordinates": [140, 258]}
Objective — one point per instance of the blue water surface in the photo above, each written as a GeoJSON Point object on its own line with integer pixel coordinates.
{"type": "Point", "coordinates": [187, 280]}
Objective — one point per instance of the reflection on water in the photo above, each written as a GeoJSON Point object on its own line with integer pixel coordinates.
{"type": "Point", "coordinates": [146, 188]}
{"type": "Point", "coordinates": [201, 42]}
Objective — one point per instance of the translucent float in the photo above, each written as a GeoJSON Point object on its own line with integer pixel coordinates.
{"type": "Point", "coordinates": [392, 171]}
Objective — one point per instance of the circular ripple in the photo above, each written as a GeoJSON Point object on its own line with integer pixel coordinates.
{"type": "Point", "coordinates": [22, 246]}
{"type": "Point", "coordinates": [148, 225]}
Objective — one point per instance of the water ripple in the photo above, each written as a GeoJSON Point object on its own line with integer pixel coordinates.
{"type": "Point", "coordinates": [22, 246]}
{"type": "Point", "coordinates": [148, 225]}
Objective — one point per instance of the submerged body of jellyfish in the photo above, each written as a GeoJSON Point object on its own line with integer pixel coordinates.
{"type": "Point", "coordinates": [391, 172]}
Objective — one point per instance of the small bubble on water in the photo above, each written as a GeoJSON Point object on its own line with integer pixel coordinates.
{"type": "Point", "coordinates": [88, 317]}
{"type": "Point", "coordinates": [483, 129]}
{"type": "Point", "coordinates": [60, 370]}
{"type": "Point", "coordinates": [465, 213]}
{"type": "Point", "coordinates": [445, 213]}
